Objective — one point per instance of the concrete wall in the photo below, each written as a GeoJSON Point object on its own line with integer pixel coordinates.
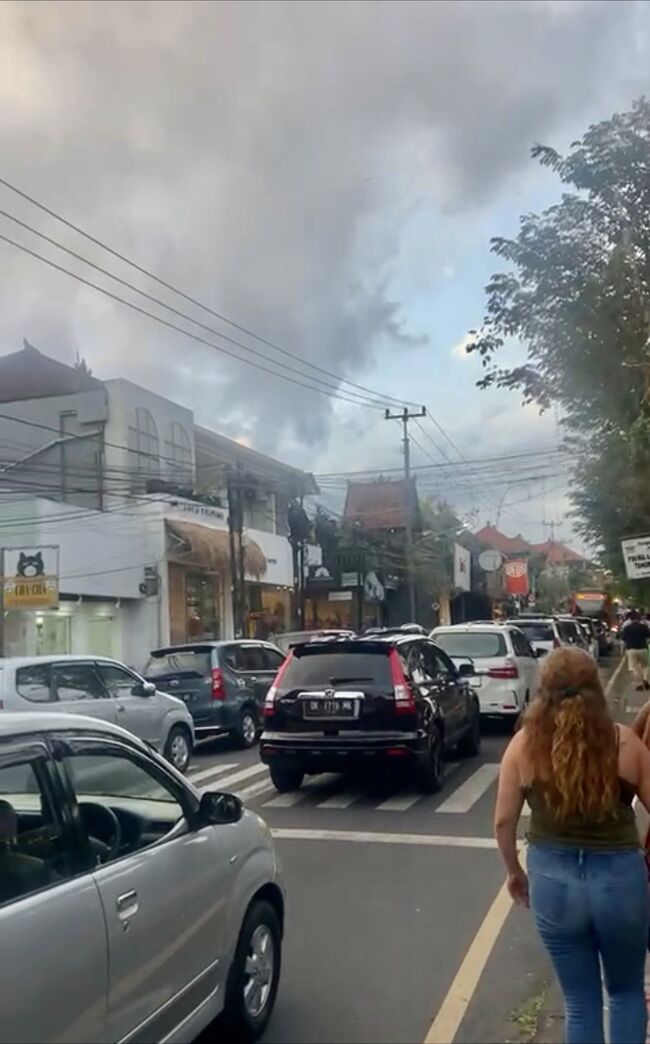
{"type": "Point", "coordinates": [123, 463]}
{"type": "Point", "coordinates": [31, 432]}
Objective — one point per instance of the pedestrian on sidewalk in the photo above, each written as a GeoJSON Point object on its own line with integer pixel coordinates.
{"type": "Point", "coordinates": [586, 883]}
{"type": "Point", "coordinates": [635, 635]}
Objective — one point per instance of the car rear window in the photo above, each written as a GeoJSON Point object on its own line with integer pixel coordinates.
{"type": "Point", "coordinates": [568, 630]}
{"type": "Point", "coordinates": [474, 644]}
{"type": "Point", "coordinates": [536, 631]}
{"type": "Point", "coordinates": [182, 661]}
{"type": "Point", "coordinates": [338, 668]}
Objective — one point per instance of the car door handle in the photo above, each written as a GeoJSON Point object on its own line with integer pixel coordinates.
{"type": "Point", "coordinates": [121, 707]}
{"type": "Point", "coordinates": [127, 905]}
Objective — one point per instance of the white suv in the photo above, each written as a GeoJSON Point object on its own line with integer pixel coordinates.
{"type": "Point", "coordinates": [505, 662]}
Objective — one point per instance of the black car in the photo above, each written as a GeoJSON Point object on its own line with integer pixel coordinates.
{"type": "Point", "coordinates": [223, 684]}
{"type": "Point", "coordinates": [391, 700]}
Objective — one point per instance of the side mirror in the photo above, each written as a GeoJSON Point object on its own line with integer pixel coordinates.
{"type": "Point", "coordinates": [539, 653]}
{"type": "Point", "coordinates": [143, 688]}
{"type": "Point", "coordinates": [466, 670]}
{"type": "Point", "coordinates": [219, 809]}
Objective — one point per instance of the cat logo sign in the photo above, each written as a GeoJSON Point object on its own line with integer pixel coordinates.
{"type": "Point", "coordinates": [30, 578]}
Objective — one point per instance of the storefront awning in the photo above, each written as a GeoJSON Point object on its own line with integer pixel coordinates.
{"type": "Point", "coordinates": [210, 548]}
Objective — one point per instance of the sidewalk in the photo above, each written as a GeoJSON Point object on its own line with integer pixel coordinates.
{"type": "Point", "coordinates": [625, 702]}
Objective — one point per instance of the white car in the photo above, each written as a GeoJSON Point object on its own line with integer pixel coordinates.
{"type": "Point", "coordinates": [132, 907]}
{"type": "Point", "coordinates": [506, 664]}
{"type": "Point", "coordinates": [101, 688]}
{"type": "Point", "coordinates": [542, 632]}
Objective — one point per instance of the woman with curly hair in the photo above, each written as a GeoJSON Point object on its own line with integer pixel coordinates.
{"type": "Point", "coordinates": [586, 883]}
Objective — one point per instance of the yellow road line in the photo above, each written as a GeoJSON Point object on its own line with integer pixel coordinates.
{"type": "Point", "coordinates": [444, 1027]}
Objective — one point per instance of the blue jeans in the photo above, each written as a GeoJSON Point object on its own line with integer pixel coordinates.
{"type": "Point", "coordinates": [589, 907]}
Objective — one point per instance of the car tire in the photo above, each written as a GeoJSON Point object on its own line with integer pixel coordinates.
{"type": "Point", "coordinates": [257, 960]}
{"type": "Point", "coordinates": [470, 745]}
{"type": "Point", "coordinates": [246, 730]}
{"type": "Point", "coordinates": [178, 748]}
{"type": "Point", "coordinates": [285, 779]}
{"type": "Point", "coordinates": [430, 767]}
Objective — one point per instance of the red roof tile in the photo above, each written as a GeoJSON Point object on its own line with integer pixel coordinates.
{"type": "Point", "coordinates": [557, 553]}
{"type": "Point", "coordinates": [494, 538]}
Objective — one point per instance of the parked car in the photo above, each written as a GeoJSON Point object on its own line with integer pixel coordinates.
{"type": "Point", "coordinates": [133, 907]}
{"type": "Point", "coordinates": [571, 632]}
{"type": "Point", "coordinates": [222, 684]}
{"type": "Point", "coordinates": [101, 688]}
{"type": "Point", "coordinates": [506, 663]}
{"type": "Point", "coordinates": [394, 699]}
{"type": "Point", "coordinates": [588, 628]}
{"type": "Point", "coordinates": [289, 639]}
{"type": "Point", "coordinates": [542, 632]}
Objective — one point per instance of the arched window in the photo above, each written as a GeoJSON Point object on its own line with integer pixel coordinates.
{"type": "Point", "coordinates": [178, 451]}
{"type": "Point", "coordinates": [143, 442]}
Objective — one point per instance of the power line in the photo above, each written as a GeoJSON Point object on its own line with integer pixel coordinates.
{"type": "Point", "coordinates": [363, 399]}
{"type": "Point", "coordinates": [179, 329]}
{"type": "Point", "coordinates": [193, 300]}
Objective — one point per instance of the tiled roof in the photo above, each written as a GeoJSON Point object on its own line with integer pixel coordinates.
{"type": "Point", "coordinates": [494, 538]}
{"type": "Point", "coordinates": [557, 553]}
{"type": "Point", "coordinates": [28, 374]}
{"type": "Point", "coordinates": [382, 504]}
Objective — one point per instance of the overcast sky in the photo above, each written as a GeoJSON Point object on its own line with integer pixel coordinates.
{"type": "Point", "coordinates": [327, 174]}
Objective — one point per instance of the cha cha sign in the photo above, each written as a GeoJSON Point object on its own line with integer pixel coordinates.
{"type": "Point", "coordinates": [30, 578]}
{"type": "Point", "coordinates": [636, 554]}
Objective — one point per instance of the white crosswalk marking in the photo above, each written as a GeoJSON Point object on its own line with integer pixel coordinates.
{"type": "Point", "coordinates": [210, 773]}
{"type": "Point", "coordinates": [294, 797]}
{"type": "Point", "coordinates": [228, 782]}
{"type": "Point", "coordinates": [255, 790]}
{"type": "Point", "coordinates": [342, 800]}
{"type": "Point", "coordinates": [400, 802]}
{"type": "Point", "coordinates": [469, 792]}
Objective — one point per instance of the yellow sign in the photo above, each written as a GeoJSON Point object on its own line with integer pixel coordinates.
{"type": "Point", "coordinates": [31, 578]}
{"type": "Point", "coordinates": [42, 593]}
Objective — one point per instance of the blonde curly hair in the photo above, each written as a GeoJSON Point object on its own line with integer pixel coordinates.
{"type": "Point", "coordinates": [570, 738]}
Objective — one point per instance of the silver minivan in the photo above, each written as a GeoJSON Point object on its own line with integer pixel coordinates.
{"type": "Point", "coordinates": [104, 689]}
{"type": "Point", "coordinates": [132, 907]}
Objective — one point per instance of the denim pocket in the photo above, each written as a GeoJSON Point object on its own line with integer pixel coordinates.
{"type": "Point", "coordinates": [549, 899]}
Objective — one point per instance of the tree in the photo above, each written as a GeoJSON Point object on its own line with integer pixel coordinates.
{"type": "Point", "coordinates": [576, 295]}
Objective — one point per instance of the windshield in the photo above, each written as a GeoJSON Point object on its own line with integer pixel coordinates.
{"type": "Point", "coordinates": [337, 668]}
{"type": "Point", "coordinates": [187, 661]}
{"type": "Point", "coordinates": [474, 645]}
{"type": "Point", "coordinates": [536, 631]}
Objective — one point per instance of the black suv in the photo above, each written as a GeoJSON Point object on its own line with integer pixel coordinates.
{"type": "Point", "coordinates": [385, 700]}
{"type": "Point", "coordinates": [222, 684]}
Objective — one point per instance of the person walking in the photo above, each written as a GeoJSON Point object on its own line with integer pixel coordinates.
{"type": "Point", "coordinates": [586, 882]}
{"type": "Point", "coordinates": [635, 635]}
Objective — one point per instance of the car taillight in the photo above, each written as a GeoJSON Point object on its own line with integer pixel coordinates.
{"type": "Point", "coordinates": [404, 698]}
{"type": "Point", "coordinates": [509, 670]}
{"type": "Point", "coordinates": [269, 699]}
{"type": "Point", "coordinates": [218, 687]}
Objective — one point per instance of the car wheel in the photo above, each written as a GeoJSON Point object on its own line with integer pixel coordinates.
{"type": "Point", "coordinates": [430, 768]}
{"type": "Point", "coordinates": [470, 745]}
{"type": "Point", "coordinates": [284, 779]}
{"type": "Point", "coordinates": [254, 974]}
{"type": "Point", "coordinates": [178, 748]}
{"type": "Point", "coordinates": [245, 732]}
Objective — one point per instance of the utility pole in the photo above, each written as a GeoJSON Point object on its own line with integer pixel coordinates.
{"type": "Point", "coordinates": [243, 601]}
{"type": "Point", "coordinates": [405, 416]}
{"type": "Point", "coordinates": [551, 525]}
{"type": "Point", "coordinates": [234, 571]}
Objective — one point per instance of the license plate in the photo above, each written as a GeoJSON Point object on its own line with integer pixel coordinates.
{"type": "Point", "coordinates": [329, 708]}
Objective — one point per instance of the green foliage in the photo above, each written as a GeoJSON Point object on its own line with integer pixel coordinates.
{"type": "Point", "coordinates": [577, 296]}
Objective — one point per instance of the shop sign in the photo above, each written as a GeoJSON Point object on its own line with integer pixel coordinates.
{"type": "Point", "coordinates": [516, 574]}
{"type": "Point", "coordinates": [349, 579]}
{"type": "Point", "coordinates": [207, 513]}
{"type": "Point", "coordinates": [30, 578]}
{"type": "Point", "coordinates": [636, 555]}
{"type": "Point", "coordinates": [340, 596]}
{"type": "Point", "coordinates": [462, 568]}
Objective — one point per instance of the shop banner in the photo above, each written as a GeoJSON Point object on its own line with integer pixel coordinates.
{"type": "Point", "coordinates": [636, 555]}
{"type": "Point", "coordinates": [516, 574]}
{"type": "Point", "coordinates": [30, 578]}
{"type": "Point", "coordinates": [462, 568]}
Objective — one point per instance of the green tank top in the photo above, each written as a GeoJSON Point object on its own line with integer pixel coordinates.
{"type": "Point", "coordinates": [617, 832]}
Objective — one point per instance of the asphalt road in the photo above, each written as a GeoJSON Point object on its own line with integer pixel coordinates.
{"type": "Point", "coordinates": [386, 889]}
